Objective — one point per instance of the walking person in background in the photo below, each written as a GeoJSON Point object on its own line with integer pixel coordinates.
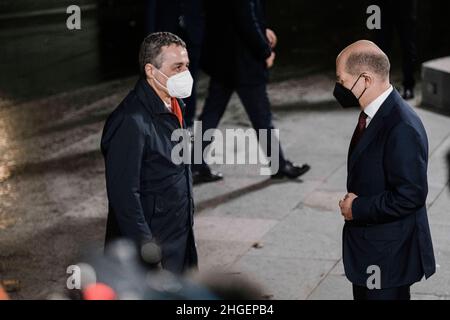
{"type": "Point", "coordinates": [238, 52]}
{"type": "Point", "coordinates": [400, 16]}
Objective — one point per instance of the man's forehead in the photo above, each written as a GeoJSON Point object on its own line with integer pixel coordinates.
{"type": "Point", "coordinates": [341, 74]}
{"type": "Point", "coordinates": [339, 71]}
{"type": "Point", "coordinates": [174, 51]}
{"type": "Point", "coordinates": [173, 56]}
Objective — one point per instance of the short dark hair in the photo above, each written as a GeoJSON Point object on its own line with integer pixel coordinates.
{"type": "Point", "coordinates": [378, 63]}
{"type": "Point", "coordinates": [150, 51]}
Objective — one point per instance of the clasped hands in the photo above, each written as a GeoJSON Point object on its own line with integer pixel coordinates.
{"type": "Point", "coordinates": [346, 206]}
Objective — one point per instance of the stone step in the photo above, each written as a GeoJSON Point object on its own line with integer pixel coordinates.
{"type": "Point", "coordinates": [436, 83]}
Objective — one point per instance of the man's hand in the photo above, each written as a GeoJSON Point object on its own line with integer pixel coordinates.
{"type": "Point", "coordinates": [270, 60]}
{"type": "Point", "coordinates": [272, 37]}
{"type": "Point", "coordinates": [346, 206]}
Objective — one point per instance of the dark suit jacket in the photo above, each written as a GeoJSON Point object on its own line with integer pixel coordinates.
{"type": "Point", "coordinates": [235, 45]}
{"type": "Point", "coordinates": [150, 197]}
{"type": "Point", "coordinates": [388, 172]}
{"type": "Point", "coordinates": [184, 18]}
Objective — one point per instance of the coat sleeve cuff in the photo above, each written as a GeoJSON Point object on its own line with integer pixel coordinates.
{"type": "Point", "coordinates": [360, 209]}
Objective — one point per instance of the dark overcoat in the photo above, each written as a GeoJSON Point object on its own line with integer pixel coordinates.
{"type": "Point", "coordinates": [150, 197]}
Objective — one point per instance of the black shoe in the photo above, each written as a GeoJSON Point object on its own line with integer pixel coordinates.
{"type": "Point", "coordinates": [291, 171]}
{"type": "Point", "coordinates": [205, 175]}
{"type": "Point", "coordinates": [408, 94]}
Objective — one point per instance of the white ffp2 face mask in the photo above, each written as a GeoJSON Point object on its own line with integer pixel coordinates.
{"type": "Point", "coordinates": [179, 85]}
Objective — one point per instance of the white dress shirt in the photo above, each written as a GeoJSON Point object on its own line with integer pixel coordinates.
{"type": "Point", "coordinates": [168, 106]}
{"type": "Point", "coordinates": [373, 107]}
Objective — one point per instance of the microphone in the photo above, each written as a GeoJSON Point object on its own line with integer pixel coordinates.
{"type": "Point", "coordinates": [151, 253]}
{"type": "Point", "coordinates": [99, 291]}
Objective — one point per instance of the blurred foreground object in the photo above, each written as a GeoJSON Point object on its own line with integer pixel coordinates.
{"type": "Point", "coordinates": [99, 291]}
{"type": "Point", "coordinates": [3, 294]}
{"type": "Point", "coordinates": [231, 286]}
{"type": "Point", "coordinates": [435, 83]}
{"type": "Point", "coordinates": [10, 285]}
{"type": "Point", "coordinates": [126, 272]}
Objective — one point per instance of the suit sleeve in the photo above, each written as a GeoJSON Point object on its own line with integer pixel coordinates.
{"type": "Point", "coordinates": [251, 28]}
{"type": "Point", "coordinates": [123, 170]}
{"type": "Point", "coordinates": [406, 157]}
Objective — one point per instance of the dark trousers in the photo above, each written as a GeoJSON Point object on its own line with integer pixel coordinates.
{"type": "Point", "coordinates": [400, 16]}
{"type": "Point", "coordinates": [398, 293]}
{"type": "Point", "coordinates": [256, 104]}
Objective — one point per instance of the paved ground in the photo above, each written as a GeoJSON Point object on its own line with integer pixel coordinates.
{"type": "Point", "coordinates": [298, 223]}
{"type": "Point", "coordinates": [53, 194]}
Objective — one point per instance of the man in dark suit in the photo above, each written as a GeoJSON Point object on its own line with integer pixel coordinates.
{"type": "Point", "coordinates": [238, 51]}
{"type": "Point", "coordinates": [150, 196]}
{"type": "Point", "coordinates": [386, 238]}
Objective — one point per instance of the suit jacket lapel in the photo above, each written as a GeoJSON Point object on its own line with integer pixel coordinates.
{"type": "Point", "coordinates": [372, 130]}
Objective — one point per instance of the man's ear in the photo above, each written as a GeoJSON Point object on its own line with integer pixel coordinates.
{"type": "Point", "coordinates": [148, 71]}
{"type": "Point", "coordinates": [368, 80]}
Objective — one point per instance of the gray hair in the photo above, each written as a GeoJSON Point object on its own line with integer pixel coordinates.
{"type": "Point", "coordinates": [358, 62]}
{"type": "Point", "coordinates": [151, 48]}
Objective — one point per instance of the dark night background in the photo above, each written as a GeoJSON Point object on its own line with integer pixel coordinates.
{"type": "Point", "coordinates": [39, 56]}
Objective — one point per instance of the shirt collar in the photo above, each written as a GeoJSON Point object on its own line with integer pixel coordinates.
{"type": "Point", "coordinates": [168, 105]}
{"type": "Point", "coordinates": [373, 107]}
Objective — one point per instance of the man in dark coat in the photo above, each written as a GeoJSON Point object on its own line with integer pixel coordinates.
{"type": "Point", "coordinates": [387, 243]}
{"type": "Point", "coordinates": [150, 196]}
{"type": "Point", "coordinates": [238, 51]}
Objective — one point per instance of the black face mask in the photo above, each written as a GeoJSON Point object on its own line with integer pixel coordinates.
{"type": "Point", "coordinates": [345, 96]}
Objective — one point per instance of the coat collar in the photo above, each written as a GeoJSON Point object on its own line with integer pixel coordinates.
{"type": "Point", "coordinates": [151, 101]}
{"type": "Point", "coordinates": [373, 107]}
{"type": "Point", "coordinates": [374, 127]}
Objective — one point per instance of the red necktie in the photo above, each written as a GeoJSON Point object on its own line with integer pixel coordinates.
{"type": "Point", "coordinates": [359, 130]}
{"type": "Point", "coordinates": [176, 109]}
